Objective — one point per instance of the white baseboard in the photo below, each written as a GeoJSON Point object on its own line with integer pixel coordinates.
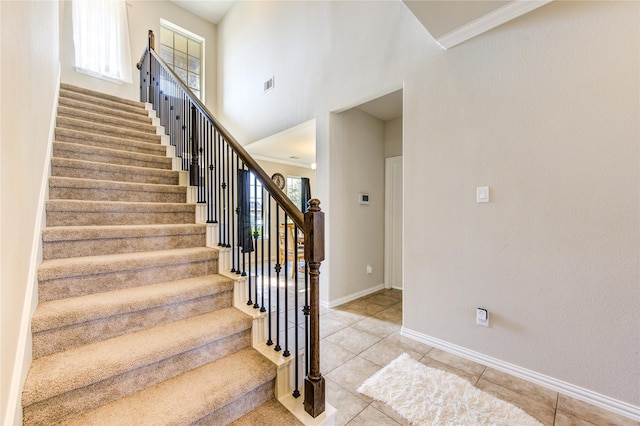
{"type": "Point", "coordinates": [349, 298]}
{"type": "Point", "coordinates": [586, 395]}
{"type": "Point", "coordinates": [24, 355]}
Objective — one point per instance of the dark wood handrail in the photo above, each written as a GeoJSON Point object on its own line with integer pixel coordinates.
{"type": "Point", "coordinates": [311, 223]}
{"type": "Point", "coordinates": [281, 198]}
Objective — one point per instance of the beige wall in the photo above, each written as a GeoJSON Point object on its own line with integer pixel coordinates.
{"type": "Point", "coordinates": [143, 16]}
{"type": "Point", "coordinates": [393, 137]}
{"type": "Point", "coordinates": [28, 87]}
{"type": "Point", "coordinates": [357, 160]}
{"type": "Point", "coordinates": [544, 110]}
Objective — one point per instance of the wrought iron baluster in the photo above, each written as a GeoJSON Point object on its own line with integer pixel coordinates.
{"type": "Point", "coordinates": [278, 268]}
{"type": "Point", "coordinates": [270, 308]}
{"type": "Point", "coordinates": [296, 390]}
{"type": "Point", "coordinates": [214, 187]}
{"type": "Point", "coordinates": [210, 173]}
{"type": "Point", "coordinates": [229, 230]}
{"type": "Point", "coordinates": [220, 194]}
{"type": "Point", "coordinates": [256, 234]}
{"type": "Point", "coordinates": [243, 238]}
{"type": "Point", "coordinates": [262, 228]}
{"type": "Point", "coordinates": [286, 286]}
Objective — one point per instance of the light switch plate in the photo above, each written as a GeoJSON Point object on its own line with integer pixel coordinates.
{"type": "Point", "coordinates": [482, 194]}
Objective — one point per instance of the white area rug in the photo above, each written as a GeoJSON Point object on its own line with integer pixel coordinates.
{"type": "Point", "coordinates": [427, 396]}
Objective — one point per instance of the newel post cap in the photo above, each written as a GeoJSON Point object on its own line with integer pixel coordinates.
{"type": "Point", "coordinates": [314, 232]}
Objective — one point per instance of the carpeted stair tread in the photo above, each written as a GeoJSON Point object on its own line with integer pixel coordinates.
{"type": "Point", "coordinates": [79, 213]}
{"type": "Point", "coordinates": [115, 206]}
{"type": "Point", "coordinates": [73, 233]}
{"type": "Point", "coordinates": [99, 96]}
{"type": "Point", "coordinates": [105, 129]}
{"type": "Point", "coordinates": [110, 156]}
{"type": "Point", "coordinates": [79, 276]}
{"type": "Point", "coordinates": [187, 398]}
{"type": "Point", "coordinates": [105, 264]}
{"type": "Point", "coordinates": [69, 323]}
{"type": "Point", "coordinates": [131, 113]}
{"type": "Point", "coordinates": [104, 190]}
{"type": "Point", "coordinates": [85, 138]}
{"type": "Point", "coordinates": [92, 117]}
{"type": "Point", "coordinates": [271, 413]}
{"type": "Point", "coordinates": [74, 310]}
{"type": "Point", "coordinates": [76, 241]}
{"type": "Point", "coordinates": [116, 105]}
{"type": "Point", "coordinates": [114, 172]}
{"type": "Point", "coordinates": [79, 367]}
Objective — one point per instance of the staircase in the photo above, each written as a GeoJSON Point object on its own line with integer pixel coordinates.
{"type": "Point", "coordinates": [134, 324]}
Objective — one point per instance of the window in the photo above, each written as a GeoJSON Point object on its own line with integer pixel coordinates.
{"type": "Point", "coordinates": [101, 39]}
{"type": "Point", "coordinates": [299, 191]}
{"type": "Point", "coordinates": [294, 189]}
{"type": "Point", "coordinates": [183, 51]}
{"type": "Point", "coordinates": [255, 202]}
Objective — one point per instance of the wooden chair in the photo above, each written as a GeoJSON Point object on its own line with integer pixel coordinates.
{"type": "Point", "coordinates": [296, 253]}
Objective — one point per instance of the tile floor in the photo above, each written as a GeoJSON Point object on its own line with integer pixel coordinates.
{"type": "Point", "coordinates": [362, 336]}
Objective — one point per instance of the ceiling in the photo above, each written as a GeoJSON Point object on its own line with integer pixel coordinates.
{"type": "Point", "coordinates": [211, 10]}
{"type": "Point", "coordinates": [385, 108]}
{"type": "Point", "coordinates": [295, 146]}
{"type": "Point", "coordinates": [449, 23]}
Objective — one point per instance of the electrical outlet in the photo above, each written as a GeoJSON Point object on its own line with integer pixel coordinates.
{"type": "Point", "coordinates": [482, 317]}
{"type": "Point", "coordinates": [369, 269]}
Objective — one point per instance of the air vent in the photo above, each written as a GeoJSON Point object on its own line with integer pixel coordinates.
{"type": "Point", "coordinates": [268, 85]}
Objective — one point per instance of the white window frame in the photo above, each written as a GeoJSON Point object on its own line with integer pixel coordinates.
{"type": "Point", "coordinates": [200, 39]}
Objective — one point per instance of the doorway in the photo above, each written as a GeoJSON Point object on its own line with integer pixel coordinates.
{"type": "Point", "coordinates": [389, 110]}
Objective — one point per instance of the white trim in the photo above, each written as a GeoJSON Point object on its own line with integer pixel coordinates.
{"type": "Point", "coordinates": [388, 192]}
{"type": "Point", "coordinates": [24, 355]}
{"type": "Point", "coordinates": [99, 76]}
{"type": "Point", "coordinates": [586, 395]}
{"type": "Point", "coordinates": [296, 407]}
{"type": "Point", "coordinates": [178, 28]}
{"type": "Point", "coordinates": [353, 296]}
{"type": "Point", "coordinates": [489, 21]}
{"type": "Point", "coordinates": [184, 31]}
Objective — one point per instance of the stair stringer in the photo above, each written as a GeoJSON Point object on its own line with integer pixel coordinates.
{"type": "Point", "coordinates": [285, 367]}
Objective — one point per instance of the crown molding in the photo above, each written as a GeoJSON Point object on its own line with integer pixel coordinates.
{"type": "Point", "coordinates": [282, 161]}
{"type": "Point", "coordinates": [489, 21]}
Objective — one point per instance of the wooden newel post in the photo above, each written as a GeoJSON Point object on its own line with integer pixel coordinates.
{"type": "Point", "coordinates": [314, 400]}
{"type": "Point", "coordinates": [152, 41]}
